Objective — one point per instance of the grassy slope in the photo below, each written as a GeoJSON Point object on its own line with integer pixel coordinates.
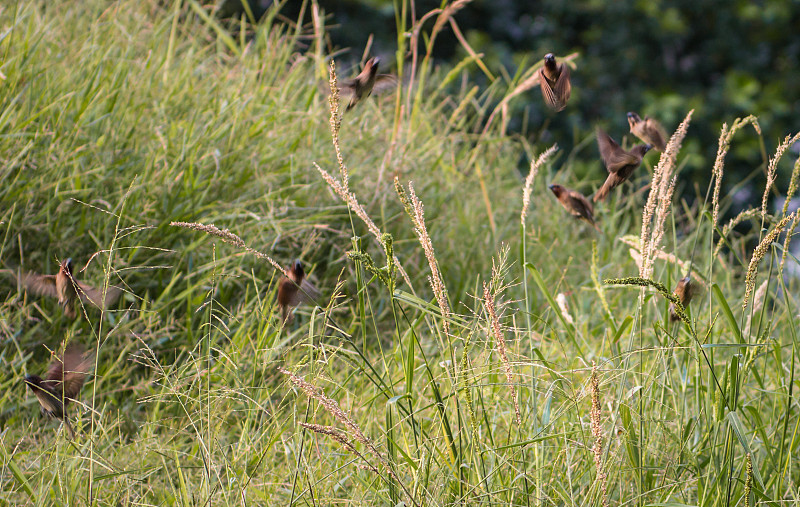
{"type": "Point", "coordinates": [117, 120]}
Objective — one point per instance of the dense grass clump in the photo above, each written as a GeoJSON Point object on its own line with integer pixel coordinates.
{"type": "Point", "coordinates": [472, 344]}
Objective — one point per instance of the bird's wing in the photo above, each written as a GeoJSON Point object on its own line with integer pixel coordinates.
{"type": "Point", "coordinates": [384, 82]}
{"type": "Point", "coordinates": [614, 157]}
{"type": "Point", "coordinates": [56, 371]}
{"type": "Point", "coordinates": [347, 87]}
{"type": "Point", "coordinates": [547, 91]}
{"type": "Point", "coordinates": [44, 285]}
{"type": "Point", "coordinates": [563, 87]}
{"type": "Point", "coordinates": [308, 292]}
{"type": "Point", "coordinates": [94, 296]}
{"type": "Point", "coordinates": [656, 133]}
{"type": "Point", "coordinates": [581, 205]}
{"type": "Point", "coordinates": [71, 370]}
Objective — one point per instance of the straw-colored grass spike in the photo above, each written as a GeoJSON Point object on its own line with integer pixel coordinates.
{"type": "Point", "coordinates": [759, 253]}
{"type": "Point", "coordinates": [500, 343]}
{"type": "Point", "coordinates": [534, 170]}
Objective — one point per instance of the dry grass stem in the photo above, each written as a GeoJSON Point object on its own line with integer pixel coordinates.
{"type": "Point", "coordinates": [342, 188]}
{"type": "Point", "coordinates": [787, 241]}
{"type": "Point", "coordinates": [228, 237]}
{"type": "Point", "coordinates": [339, 436]}
{"type": "Point", "coordinates": [500, 342]}
{"type": "Point", "coordinates": [435, 279]}
{"type": "Point", "coordinates": [352, 202]}
{"type": "Point", "coordinates": [773, 168]}
{"type": "Point", "coordinates": [659, 201]}
{"type": "Point", "coordinates": [535, 166]}
{"type": "Point", "coordinates": [333, 408]}
{"type": "Point", "coordinates": [741, 217]}
{"type": "Point", "coordinates": [597, 434]}
{"type": "Point", "coordinates": [759, 253]}
{"type": "Point", "coordinates": [443, 15]}
{"type": "Point", "coordinates": [792, 185]}
{"type": "Point", "coordinates": [725, 137]}
{"type": "Point", "coordinates": [636, 255]}
{"type": "Point", "coordinates": [336, 124]}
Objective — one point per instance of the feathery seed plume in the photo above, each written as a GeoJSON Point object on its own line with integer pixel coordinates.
{"type": "Point", "coordinates": [535, 166]}
{"type": "Point", "coordinates": [759, 253]}
{"type": "Point", "coordinates": [561, 300]}
{"type": "Point", "coordinates": [725, 137]}
{"type": "Point", "coordinates": [435, 279]}
{"type": "Point", "coordinates": [773, 167]}
{"type": "Point", "coordinates": [500, 343]}
{"type": "Point", "coordinates": [659, 200]}
{"type": "Point", "coordinates": [597, 434]}
{"type": "Point", "coordinates": [333, 408]}
{"type": "Point", "coordinates": [227, 237]}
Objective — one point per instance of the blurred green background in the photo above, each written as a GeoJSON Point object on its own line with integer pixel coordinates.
{"type": "Point", "coordinates": [723, 58]}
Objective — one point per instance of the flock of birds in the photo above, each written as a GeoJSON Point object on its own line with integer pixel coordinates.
{"type": "Point", "coordinates": [68, 371]}
{"type": "Point", "coordinates": [620, 163]}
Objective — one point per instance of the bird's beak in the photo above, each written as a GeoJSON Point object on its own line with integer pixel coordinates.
{"type": "Point", "coordinates": [631, 115]}
{"type": "Point", "coordinates": [551, 187]}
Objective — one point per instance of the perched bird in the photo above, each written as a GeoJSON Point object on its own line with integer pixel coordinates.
{"type": "Point", "coordinates": [574, 202]}
{"type": "Point", "coordinates": [620, 163]}
{"type": "Point", "coordinates": [62, 384]}
{"type": "Point", "coordinates": [294, 289]}
{"type": "Point", "coordinates": [68, 290]}
{"type": "Point", "coordinates": [361, 86]}
{"type": "Point", "coordinates": [554, 80]}
{"type": "Point", "coordinates": [648, 130]}
{"type": "Point", "coordinates": [685, 290]}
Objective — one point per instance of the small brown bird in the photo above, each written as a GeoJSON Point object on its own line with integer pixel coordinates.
{"type": "Point", "coordinates": [574, 202]}
{"type": "Point", "coordinates": [68, 290]}
{"type": "Point", "coordinates": [62, 384]}
{"type": "Point", "coordinates": [554, 80]}
{"type": "Point", "coordinates": [620, 163]}
{"type": "Point", "coordinates": [294, 289]}
{"type": "Point", "coordinates": [685, 290]}
{"type": "Point", "coordinates": [362, 86]}
{"type": "Point", "coordinates": [648, 130]}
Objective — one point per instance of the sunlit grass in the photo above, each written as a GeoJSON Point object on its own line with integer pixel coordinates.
{"type": "Point", "coordinates": [117, 121]}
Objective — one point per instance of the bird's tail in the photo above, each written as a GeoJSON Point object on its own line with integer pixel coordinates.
{"type": "Point", "coordinates": [69, 309]}
{"type": "Point", "coordinates": [603, 191]}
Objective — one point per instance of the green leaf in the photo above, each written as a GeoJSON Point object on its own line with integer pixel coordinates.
{"type": "Point", "coordinates": [726, 309]}
{"type": "Point", "coordinates": [738, 430]}
{"type": "Point", "coordinates": [16, 471]}
{"type": "Point", "coordinates": [622, 328]}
